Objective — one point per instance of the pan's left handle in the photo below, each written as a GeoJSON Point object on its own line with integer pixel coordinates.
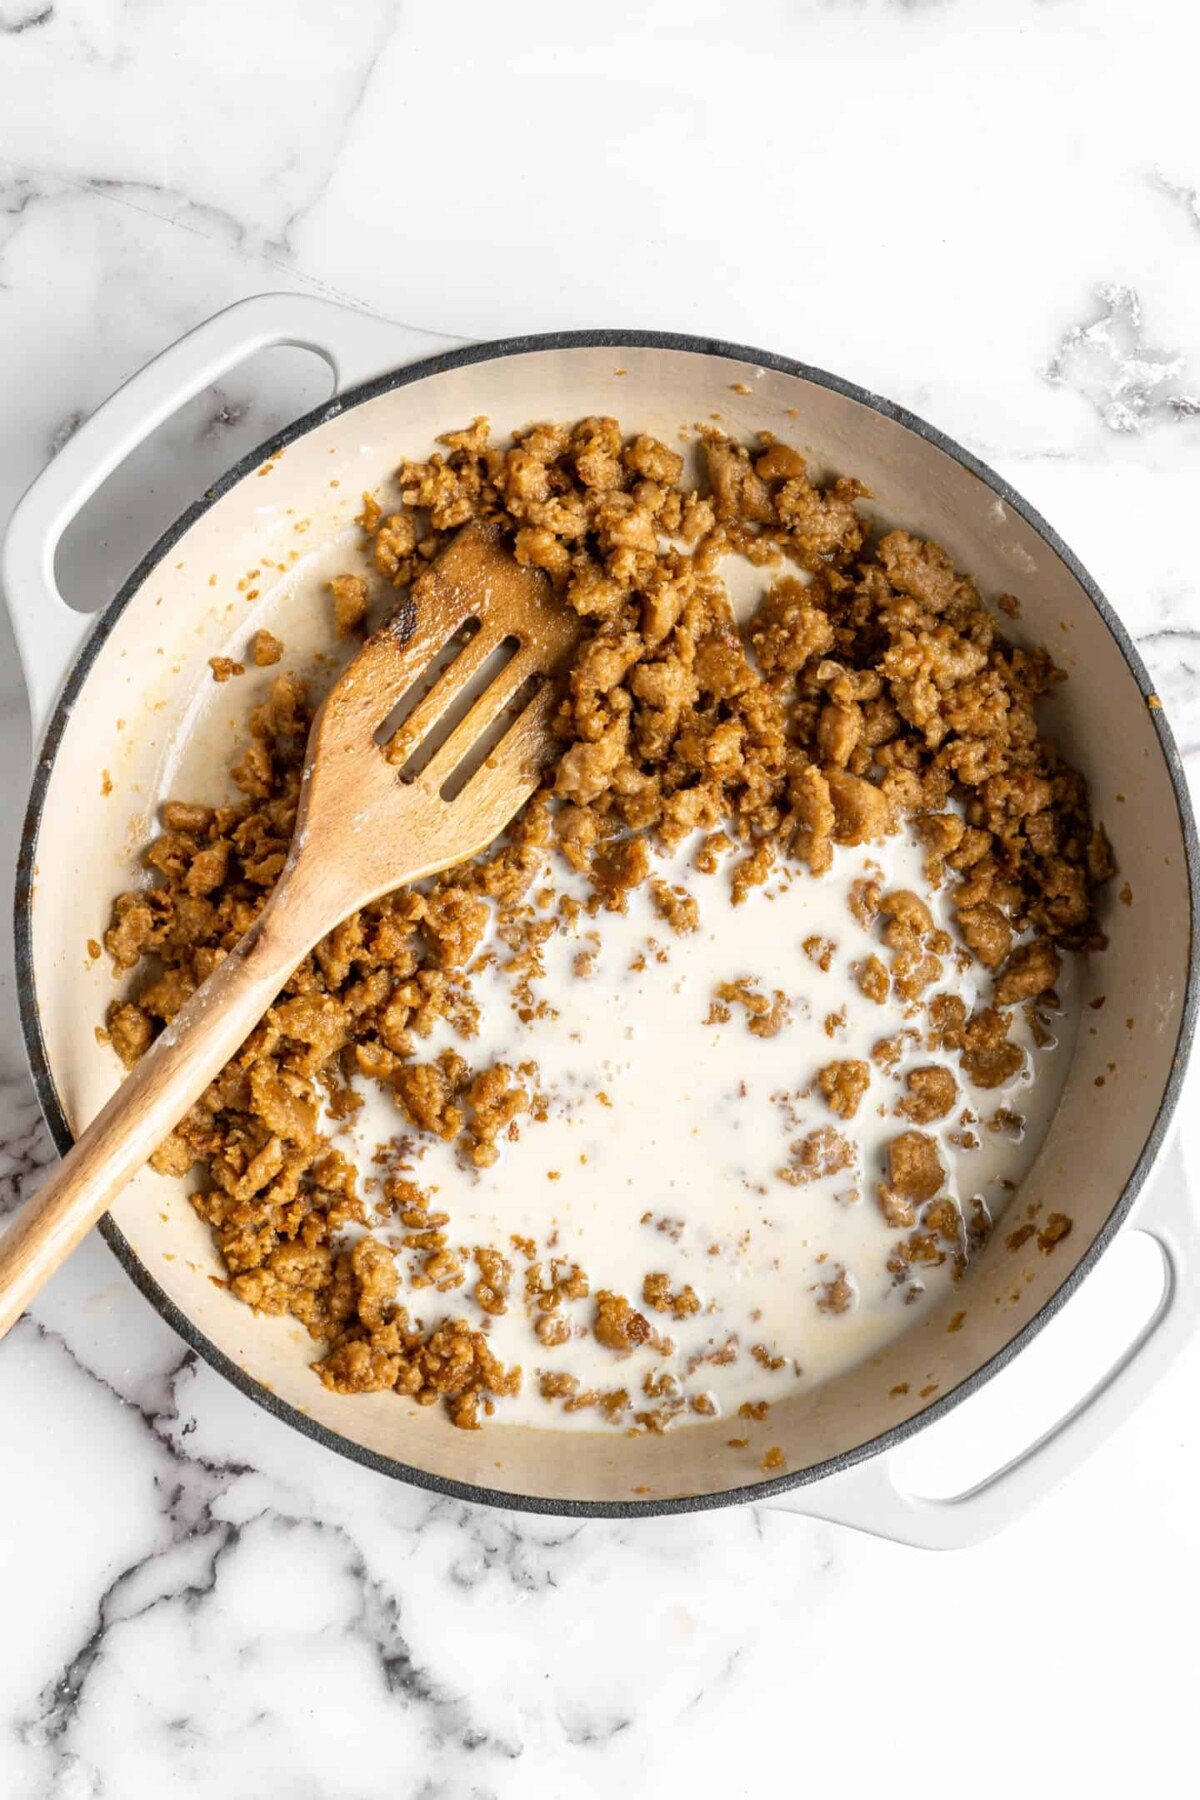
{"type": "Point", "coordinates": [48, 632]}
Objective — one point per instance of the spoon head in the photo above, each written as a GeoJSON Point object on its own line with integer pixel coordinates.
{"type": "Point", "coordinates": [442, 726]}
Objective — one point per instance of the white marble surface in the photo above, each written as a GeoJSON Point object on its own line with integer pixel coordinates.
{"type": "Point", "coordinates": [991, 212]}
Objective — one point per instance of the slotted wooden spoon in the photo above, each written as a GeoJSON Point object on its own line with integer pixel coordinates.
{"type": "Point", "coordinates": [465, 756]}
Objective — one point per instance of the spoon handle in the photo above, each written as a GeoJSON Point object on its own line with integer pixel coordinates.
{"type": "Point", "coordinates": [166, 1082]}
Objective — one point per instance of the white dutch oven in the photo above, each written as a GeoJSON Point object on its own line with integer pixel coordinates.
{"type": "Point", "coordinates": [120, 694]}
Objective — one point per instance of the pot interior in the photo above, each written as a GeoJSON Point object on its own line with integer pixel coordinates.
{"type": "Point", "coordinates": [148, 718]}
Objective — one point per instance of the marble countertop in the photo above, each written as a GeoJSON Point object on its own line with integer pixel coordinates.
{"type": "Point", "coordinates": [989, 211]}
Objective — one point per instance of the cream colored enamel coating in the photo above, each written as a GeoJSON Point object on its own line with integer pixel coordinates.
{"type": "Point", "coordinates": [150, 691]}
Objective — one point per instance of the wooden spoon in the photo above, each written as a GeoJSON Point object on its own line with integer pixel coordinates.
{"type": "Point", "coordinates": [470, 750]}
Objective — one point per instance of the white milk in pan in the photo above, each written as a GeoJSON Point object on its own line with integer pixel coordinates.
{"type": "Point", "coordinates": [666, 1148]}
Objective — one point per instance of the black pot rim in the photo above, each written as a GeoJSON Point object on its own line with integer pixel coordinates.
{"type": "Point", "coordinates": [35, 1044]}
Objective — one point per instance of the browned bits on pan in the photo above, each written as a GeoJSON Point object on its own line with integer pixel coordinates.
{"type": "Point", "coordinates": [932, 1094]}
{"type": "Point", "coordinates": [914, 1166]}
{"type": "Point", "coordinates": [496, 1100]}
{"type": "Point", "coordinates": [765, 1016]}
{"type": "Point", "coordinates": [914, 1175]}
{"type": "Point", "coordinates": [130, 1031]}
{"type": "Point", "coordinates": [548, 1286]}
{"type": "Point", "coordinates": [658, 1295]}
{"type": "Point", "coordinates": [674, 904]}
{"type": "Point", "coordinates": [844, 1084]}
{"type": "Point", "coordinates": [988, 1057]}
{"type": "Point", "coordinates": [987, 931]}
{"type": "Point", "coordinates": [889, 1052]}
{"type": "Point", "coordinates": [864, 900]}
{"type": "Point", "coordinates": [1056, 1228]}
{"type": "Point", "coordinates": [427, 1092]}
{"type": "Point", "coordinates": [350, 603]}
{"type": "Point", "coordinates": [819, 950]}
{"type": "Point", "coordinates": [1032, 969]}
{"type": "Point", "coordinates": [265, 649]}
{"type": "Point", "coordinates": [617, 1325]}
{"type": "Point", "coordinates": [818, 1154]}
{"type": "Point", "coordinates": [872, 979]}
{"type": "Point", "coordinates": [836, 1295]}
{"type": "Point", "coordinates": [907, 920]}
{"type": "Point", "coordinates": [495, 1274]}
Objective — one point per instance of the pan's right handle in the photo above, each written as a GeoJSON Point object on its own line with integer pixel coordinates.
{"type": "Point", "coordinates": [868, 1496]}
{"type": "Point", "coordinates": [49, 633]}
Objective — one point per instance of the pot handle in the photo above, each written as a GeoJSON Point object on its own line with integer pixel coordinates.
{"type": "Point", "coordinates": [868, 1498]}
{"type": "Point", "coordinates": [48, 632]}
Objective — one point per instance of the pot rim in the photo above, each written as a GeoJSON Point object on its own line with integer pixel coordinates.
{"type": "Point", "coordinates": [43, 1080]}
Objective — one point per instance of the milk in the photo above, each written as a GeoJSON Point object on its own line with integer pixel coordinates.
{"type": "Point", "coordinates": [666, 1135]}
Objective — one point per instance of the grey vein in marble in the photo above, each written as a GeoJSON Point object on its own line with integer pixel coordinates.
{"type": "Point", "coordinates": [25, 1149]}
{"type": "Point", "coordinates": [1186, 198]}
{"type": "Point", "coordinates": [1108, 361]}
{"type": "Point", "coordinates": [182, 1574]}
{"type": "Point", "coordinates": [169, 205]}
{"type": "Point", "coordinates": [16, 20]}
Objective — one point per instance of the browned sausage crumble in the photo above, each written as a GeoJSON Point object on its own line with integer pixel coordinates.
{"type": "Point", "coordinates": [870, 686]}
